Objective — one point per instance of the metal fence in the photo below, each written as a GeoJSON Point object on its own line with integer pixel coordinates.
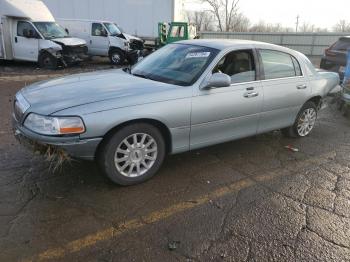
{"type": "Point", "coordinates": [310, 44]}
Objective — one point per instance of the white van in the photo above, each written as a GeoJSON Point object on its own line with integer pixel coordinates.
{"type": "Point", "coordinates": [29, 32]}
{"type": "Point", "coordinates": [105, 38]}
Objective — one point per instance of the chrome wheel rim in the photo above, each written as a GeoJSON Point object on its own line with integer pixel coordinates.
{"type": "Point", "coordinates": [116, 58]}
{"type": "Point", "coordinates": [136, 155]}
{"type": "Point", "coordinates": [306, 122]}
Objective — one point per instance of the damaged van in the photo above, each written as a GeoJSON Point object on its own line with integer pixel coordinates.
{"type": "Point", "coordinates": [105, 39]}
{"type": "Point", "coordinates": [29, 32]}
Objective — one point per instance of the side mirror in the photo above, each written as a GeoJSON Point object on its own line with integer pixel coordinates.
{"type": "Point", "coordinates": [217, 80]}
{"type": "Point", "coordinates": [67, 31]}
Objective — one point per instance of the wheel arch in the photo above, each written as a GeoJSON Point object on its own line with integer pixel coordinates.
{"type": "Point", "coordinates": [317, 99]}
{"type": "Point", "coordinates": [165, 131]}
{"type": "Point", "coordinates": [114, 48]}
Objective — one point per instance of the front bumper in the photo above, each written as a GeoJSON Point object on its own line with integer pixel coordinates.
{"type": "Point", "coordinates": [133, 56]}
{"type": "Point", "coordinates": [74, 146]}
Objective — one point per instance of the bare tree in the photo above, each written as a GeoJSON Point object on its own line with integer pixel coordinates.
{"type": "Point", "coordinates": [202, 19]}
{"type": "Point", "coordinates": [342, 26]}
{"type": "Point", "coordinates": [240, 24]}
{"type": "Point", "coordinates": [225, 12]}
{"type": "Point", "coordinates": [263, 27]}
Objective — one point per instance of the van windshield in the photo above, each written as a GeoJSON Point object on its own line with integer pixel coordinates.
{"type": "Point", "coordinates": [51, 30]}
{"type": "Point", "coordinates": [112, 29]}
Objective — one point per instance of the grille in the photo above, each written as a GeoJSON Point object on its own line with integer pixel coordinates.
{"type": "Point", "coordinates": [81, 49]}
{"type": "Point", "coordinates": [136, 44]}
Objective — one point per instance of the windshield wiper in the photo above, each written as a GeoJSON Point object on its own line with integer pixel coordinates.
{"type": "Point", "coordinates": [141, 75]}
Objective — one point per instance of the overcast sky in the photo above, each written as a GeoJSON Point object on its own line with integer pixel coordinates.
{"type": "Point", "coordinates": [322, 13]}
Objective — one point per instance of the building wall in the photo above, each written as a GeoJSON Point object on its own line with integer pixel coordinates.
{"type": "Point", "coordinates": [310, 44]}
{"type": "Point", "coordinates": [139, 17]}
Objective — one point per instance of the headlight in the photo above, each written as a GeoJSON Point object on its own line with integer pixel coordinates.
{"type": "Point", "coordinates": [47, 125]}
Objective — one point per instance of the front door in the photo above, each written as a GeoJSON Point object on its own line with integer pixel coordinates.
{"type": "Point", "coordinates": [25, 41]}
{"type": "Point", "coordinates": [227, 113]}
{"type": "Point", "coordinates": [99, 41]}
{"type": "Point", "coordinates": [286, 89]}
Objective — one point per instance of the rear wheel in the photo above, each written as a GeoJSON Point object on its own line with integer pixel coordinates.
{"type": "Point", "coordinates": [48, 61]}
{"type": "Point", "coordinates": [133, 154]}
{"type": "Point", "coordinates": [304, 123]}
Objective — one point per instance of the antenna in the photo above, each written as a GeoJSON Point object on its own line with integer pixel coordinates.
{"type": "Point", "coordinates": [297, 24]}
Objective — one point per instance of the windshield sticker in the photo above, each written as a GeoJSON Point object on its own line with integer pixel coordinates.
{"type": "Point", "coordinates": [198, 55]}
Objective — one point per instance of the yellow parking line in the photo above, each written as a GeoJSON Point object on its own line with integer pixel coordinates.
{"type": "Point", "coordinates": [109, 233]}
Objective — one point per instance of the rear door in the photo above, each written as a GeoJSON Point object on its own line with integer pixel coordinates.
{"type": "Point", "coordinates": [99, 41]}
{"type": "Point", "coordinates": [25, 41]}
{"type": "Point", "coordinates": [286, 89]}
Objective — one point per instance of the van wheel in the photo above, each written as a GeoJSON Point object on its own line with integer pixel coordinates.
{"type": "Point", "coordinates": [133, 154]}
{"type": "Point", "coordinates": [47, 61]}
{"type": "Point", "coordinates": [117, 57]}
{"type": "Point", "coordinates": [304, 123]}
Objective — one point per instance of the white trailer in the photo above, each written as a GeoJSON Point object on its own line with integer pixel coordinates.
{"type": "Point", "coordinates": [138, 17]}
{"type": "Point", "coordinates": [28, 32]}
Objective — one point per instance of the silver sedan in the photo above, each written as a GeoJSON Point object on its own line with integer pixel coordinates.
{"type": "Point", "coordinates": [187, 95]}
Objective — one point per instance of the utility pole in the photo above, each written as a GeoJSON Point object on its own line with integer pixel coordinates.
{"type": "Point", "coordinates": [297, 24]}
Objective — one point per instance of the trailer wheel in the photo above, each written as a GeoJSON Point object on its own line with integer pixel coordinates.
{"type": "Point", "coordinates": [47, 61]}
{"type": "Point", "coordinates": [117, 57]}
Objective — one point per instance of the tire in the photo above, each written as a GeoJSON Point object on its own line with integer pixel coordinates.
{"type": "Point", "coordinates": [296, 131]}
{"type": "Point", "coordinates": [134, 157]}
{"type": "Point", "coordinates": [47, 61]}
{"type": "Point", "coordinates": [117, 57]}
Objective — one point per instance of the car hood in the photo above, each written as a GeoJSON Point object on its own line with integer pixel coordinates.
{"type": "Point", "coordinates": [70, 41]}
{"type": "Point", "coordinates": [48, 97]}
{"type": "Point", "coordinates": [131, 37]}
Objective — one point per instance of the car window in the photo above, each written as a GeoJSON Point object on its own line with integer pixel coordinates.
{"type": "Point", "coordinates": [341, 45]}
{"type": "Point", "coordinates": [297, 67]}
{"type": "Point", "coordinates": [25, 26]}
{"type": "Point", "coordinates": [239, 65]}
{"type": "Point", "coordinates": [278, 64]}
{"type": "Point", "coordinates": [177, 31]}
{"type": "Point", "coordinates": [97, 29]}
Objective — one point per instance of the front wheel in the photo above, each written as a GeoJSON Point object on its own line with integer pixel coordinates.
{"type": "Point", "coordinates": [304, 123]}
{"type": "Point", "coordinates": [133, 154]}
{"type": "Point", "coordinates": [117, 57]}
{"type": "Point", "coordinates": [47, 61]}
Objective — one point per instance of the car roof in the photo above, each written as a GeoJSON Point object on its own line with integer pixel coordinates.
{"type": "Point", "coordinates": [222, 44]}
{"type": "Point", "coordinates": [346, 38]}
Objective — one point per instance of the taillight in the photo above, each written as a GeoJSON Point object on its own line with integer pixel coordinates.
{"type": "Point", "coordinates": [329, 52]}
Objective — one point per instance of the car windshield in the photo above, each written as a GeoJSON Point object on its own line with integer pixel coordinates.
{"type": "Point", "coordinates": [112, 29]}
{"type": "Point", "coordinates": [178, 64]}
{"type": "Point", "coordinates": [51, 30]}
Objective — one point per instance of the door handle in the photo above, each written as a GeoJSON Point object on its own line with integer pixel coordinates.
{"type": "Point", "coordinates": [301, 86]}
{"type": "Point", "coordinates": [16, 40]}
{"type": "Point", "coordinates": [90, 42]}
{"type": "Point", "coordinates": [251, 94]}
